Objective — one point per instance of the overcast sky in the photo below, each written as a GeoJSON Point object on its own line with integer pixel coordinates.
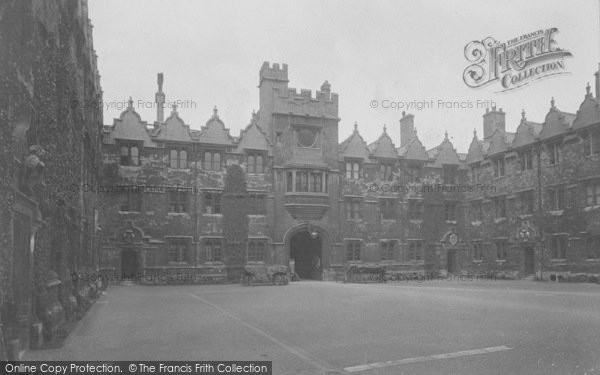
{"type": "Point", "coordinates": [211, 51]}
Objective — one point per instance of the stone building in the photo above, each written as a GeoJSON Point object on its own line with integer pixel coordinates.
{"type": "Point", "coordinates": [50, 133]}
{"type": "Point", "coordinates": [518, 203]}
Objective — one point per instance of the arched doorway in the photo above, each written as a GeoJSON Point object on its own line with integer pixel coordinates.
{"type": "Point", "coordinates": [528, 260]}
{"type": "Point", "coordinates": [306, 252]}
{"type": "Point", "coordinates": [129, 264]}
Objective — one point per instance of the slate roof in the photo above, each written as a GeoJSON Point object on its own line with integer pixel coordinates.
{"type": "Point", "coordinates": [444, 154]}
{"type": "Point", "coordinates": [556, 122]}
{"type": "Point", "coordinates": [413, 150]}
{"type": "Point", "coordinates": [253, 137]}
{"type": "Point", "coordinates": [215, 132]}
{"type": "Point", "coordinates": [173, 129]}
{"type": "Point", "coordinates": [589, 111]}
{"type": "Point", "coordinates": [383, 147]}
{"type": "Point", "coordinates": [130, 126]}
{"type": "Point", "coordinates": [354, 146]}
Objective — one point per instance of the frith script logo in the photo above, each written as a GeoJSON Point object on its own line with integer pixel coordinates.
{"type": "Point", "coordinates": [515, 63]}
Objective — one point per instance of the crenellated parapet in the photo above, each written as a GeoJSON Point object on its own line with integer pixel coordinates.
{"type": "Point", "coordinates": [273, 72]}
{"type": "Point", "coordinates": [303, 103]}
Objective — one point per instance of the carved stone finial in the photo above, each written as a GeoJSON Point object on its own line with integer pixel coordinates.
{"type": "Point", "coordinates": [523, 115]}
{"type": "Point", "coordinates": [174, 109]}
{"type": "Point", "coordinates": [384, 129]}
{"type": "Point", "coordinates": [355, 126]}
{"type": "Point", "coordinates": [446, 135]}
{"type": "Point", "coordinates": [552, 102]}
{"type": "Point", "coordinates": [588, 89]}
{"type": "Point", "coordinates": [474, 133]}
{"type": "Point", "coordinates": [130, 103]}
{"type": "Point", "coordinates": [215, 112]}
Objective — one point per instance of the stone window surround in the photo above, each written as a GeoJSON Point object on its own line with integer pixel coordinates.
{"type": "Point", "coordinates": [258, 258]}
{"type": "Point", "coordinates": [130, 145]}
{"type": "Point", "coordinates": [355, 245]}
{"type": "Point", "coordinates": [388, 249]}
{"type": "Point", "coordinates": [415, 253]}
{"type": "Point", "coordinates": [253, 166]}
{"type": "Point", "coordinates": [292, 176]}
{"type": "Point", "coordinates": [182, 255]}
{"type": "Point", "coordinates": [554, 152]}
{"type": "Point", "coordinates": [353, 168]}
{"type": "Point", "coordinates": [387, 208]}
{"type": "Point", "coordinates": [182, 157]}
{"type": "Point", "coordinates": [353, 203]}
{"type": "Point", "coordinates": [208, 245]}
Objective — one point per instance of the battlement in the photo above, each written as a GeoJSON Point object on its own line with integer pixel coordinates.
{"type": "Point", "coordinates": [302, 103]}
{"type": "Point", "coordinates": [306, 95]}
{"type": "Point", "coordinates": [274, 72]}
{"type": "Point", "coordinates": [277, 97]}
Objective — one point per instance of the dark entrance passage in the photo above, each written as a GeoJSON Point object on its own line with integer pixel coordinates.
{"type": "Point", "coordinates": [528, 258]}
{"type": "Point", "coordinates": [129, 264]}
{"type": "Point", "coordinates": [451, 261]}
{"type": "Point", "coordinates": [306, 253]}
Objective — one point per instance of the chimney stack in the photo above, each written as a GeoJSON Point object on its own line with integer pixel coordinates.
{"type": "Point", "coordinates": [492, 120]}
{"type": "Point", "coordinates": [407, 128]}
{"type": "Point", "coordinates": [159, 99]}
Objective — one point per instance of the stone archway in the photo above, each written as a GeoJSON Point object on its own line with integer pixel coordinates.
{"type": "Point", "coordinates": [306, 247]}
{"type": "Point", "coordinates": [130, 264]}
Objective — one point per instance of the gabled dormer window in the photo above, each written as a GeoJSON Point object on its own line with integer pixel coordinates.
{"type": "Point", "coordinates": [211, 161]}
{"type": "Point", "coordinates": [413, 173]}
{"type": "Point", "coordinates": [449, 174]}
{"type": "Point", "coordinates": [255, 162]}
{"type": "Point", "coordinates": [385, 171]}
{"type": "Point", "coordinates": [526, 160]}
{"type": "Point", "coordinates": [353, 170]}
{"type": "Point", "coordinates": [591, 143]}
{"type": "Point", "coordinates": [475, 172]}
{"type": "Point", "coordinates": [553, 153]}
{"type": "Point", "coordinates": [178, 159]}
{"type": "Point", "coordinates": [129, 154]}
{"type": "Point", "coordinates": [499, 167]}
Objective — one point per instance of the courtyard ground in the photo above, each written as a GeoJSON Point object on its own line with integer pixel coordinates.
{"type": "Point", "coordinates": [435, 327]}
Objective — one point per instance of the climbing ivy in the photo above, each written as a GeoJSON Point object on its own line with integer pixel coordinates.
{"type": "Point", "coordinates": [235, 219]}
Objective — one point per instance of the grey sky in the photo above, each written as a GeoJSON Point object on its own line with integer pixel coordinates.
{"type": "Point", "coordinates": [210, 53]}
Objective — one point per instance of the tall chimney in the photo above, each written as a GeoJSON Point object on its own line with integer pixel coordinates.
{"type": "Point", "coordinates": [159, 99]}
{"type": "Point", "coordinates": [407, 128]}
{"type": "Point", "coordinates": [492, 120]}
